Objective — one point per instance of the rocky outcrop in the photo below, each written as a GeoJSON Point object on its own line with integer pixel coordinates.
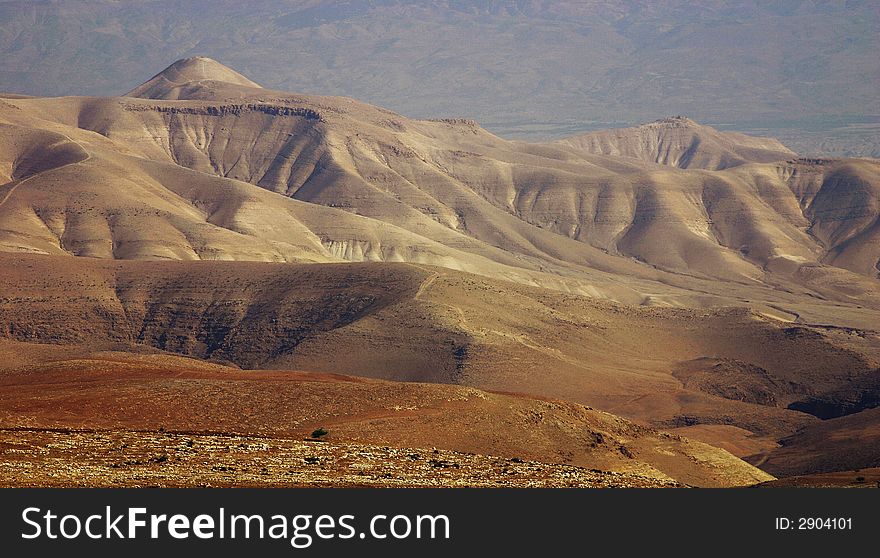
{"type": "Point", "coordinates": [231, 109]}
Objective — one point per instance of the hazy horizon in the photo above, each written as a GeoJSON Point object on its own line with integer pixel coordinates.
{"type": "Point", "coordinates": [806, 72]}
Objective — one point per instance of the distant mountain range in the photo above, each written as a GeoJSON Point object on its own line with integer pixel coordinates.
{"type": "Point", "coordinates": [806, 72]}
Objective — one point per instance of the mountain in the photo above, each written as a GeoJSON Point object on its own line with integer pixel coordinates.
{"type": "Point", "coordinates": [181, 79]}
{"type": "Point", "coordinates": [680, 142]}
{"type": "Point", "coordinates": [729, 293]}
{"type": "Point", "coordinates": [362, 183]}
{"type": "Point", "coordinates": [802, 71]}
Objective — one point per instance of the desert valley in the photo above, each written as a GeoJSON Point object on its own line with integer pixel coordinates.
{"type": "Point", "coordinates": [208, 282]}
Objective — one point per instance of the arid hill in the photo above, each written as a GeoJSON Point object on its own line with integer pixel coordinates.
{"type": "Point", "coordinates": [680, 142]}
{"type": "Point", "coordinates": [381, 187]}
{"type": "Point", "coordinates": [206, 216]}
{"type": "Point", "coordinates": [179, 80]}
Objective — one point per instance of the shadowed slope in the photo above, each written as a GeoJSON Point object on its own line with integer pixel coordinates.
{"type": "Point", "coordinates": [840, 444]}
{"type": "Point", "coordinates": [671, 368]}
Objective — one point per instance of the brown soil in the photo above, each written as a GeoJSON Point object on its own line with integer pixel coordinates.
{"type": "Point", "coordinates": [113, 391]}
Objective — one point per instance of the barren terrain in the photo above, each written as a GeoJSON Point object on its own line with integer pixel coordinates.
{"type": "Point", "coordinates": [207, 257]}
{"type": "Point", "coordinates": [116, 392]}
{"type": "Point", "coordinates": [73, 458]}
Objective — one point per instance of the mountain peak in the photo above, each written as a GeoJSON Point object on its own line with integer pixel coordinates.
{"type": "Point", "coordinates": [186, 74]}
{"type": "Point", "coordinates": [678, 121]}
